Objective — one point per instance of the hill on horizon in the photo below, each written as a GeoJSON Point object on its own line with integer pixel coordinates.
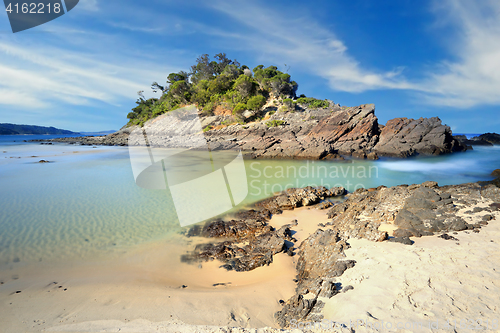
{"type": "Point", "coordinates": [14, 129]}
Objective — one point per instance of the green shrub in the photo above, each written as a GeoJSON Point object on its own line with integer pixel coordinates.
{"type": "Point", "coordinates": [283, 108]}
{"type": "Point", "coordinates": [228, 122]}
{"type": "Point", "coordinates": [208, 128]}
{"type": "Point", "coordinates": [313, 102]}
{"type": "Point", "coordinates": [245, 85]}
{"type": "Point", "coordinates": [240, 107]}
{"type": "Point", "coordinates": [274, 123]}
{"type": "Point", "coordinates": [219, 81]}
{"type": "Point", "coordinates": [256, 102]}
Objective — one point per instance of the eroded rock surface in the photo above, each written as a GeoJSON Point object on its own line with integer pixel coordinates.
{"type": "Point", "coordinates": [416, 210]}
{"type": "Point", "coordinates": [402, 137]}
{"type": "Point", "coordinates": [248, 241]}
{"type": "Point", "coordinates": [329, 133]}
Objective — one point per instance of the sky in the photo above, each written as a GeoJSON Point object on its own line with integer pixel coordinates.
{"type": "Point", "coordinates": [412, 59]}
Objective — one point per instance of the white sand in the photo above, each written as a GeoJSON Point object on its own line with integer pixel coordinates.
{"type": "Point", "coordinates": [434, 280]}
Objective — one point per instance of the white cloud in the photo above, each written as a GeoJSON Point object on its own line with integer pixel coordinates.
{"type": "Point", "coordinates": [474, 77]}
{"type": "Point", "coordinates": [306, 44]}
{"type": "Point", "coordinates": [43, 76]}
{"type": "Point", "coordinates": [135, 28]}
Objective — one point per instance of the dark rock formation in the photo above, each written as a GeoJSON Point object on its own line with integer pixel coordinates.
{"type": "Point", "coordinates": [250, 227]}
{"type": "Point", "coordinates": [492, 138]}
{"type": "Point", "coordinates": [487, 139]}
{"type": "Point", "coordinates": [496, 173]}
{"type": "Point", "coordinates": [329, 133]}
{"type": "Point", "coordinates": [346, 132]}
{"type": "Point", "coordinates": [417, 210]}
{"type": "Point", "coordinates": [119, 138]}
{"type": "Point", "coordinates": [402, 137]}
{"type": "Point", "coordinates": [321, 259]}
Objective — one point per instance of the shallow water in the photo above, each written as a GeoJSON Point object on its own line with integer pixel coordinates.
{"type": "Point", "coordinates": [86, 204]}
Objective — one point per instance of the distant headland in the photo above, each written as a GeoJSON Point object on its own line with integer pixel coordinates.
{"type": "Point", "coordinates": [13, 129]}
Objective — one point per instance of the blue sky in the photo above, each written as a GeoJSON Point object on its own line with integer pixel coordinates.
{"type": "Point", "coordinates": [412, 59]}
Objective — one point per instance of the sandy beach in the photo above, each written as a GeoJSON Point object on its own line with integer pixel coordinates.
{"type": "Point", "coordinates": [149, 290]}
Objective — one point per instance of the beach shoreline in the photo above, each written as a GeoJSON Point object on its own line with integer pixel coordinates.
{"type": "Point", "coordinates": [135, 293]}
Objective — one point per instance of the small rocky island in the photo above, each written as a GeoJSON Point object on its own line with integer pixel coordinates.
{"type": "Point", "coordinates": [259, 112]}
{"type": "Point", "coordinates": [328, 133]}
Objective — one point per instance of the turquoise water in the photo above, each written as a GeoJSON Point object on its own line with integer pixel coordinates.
{"type": "Point", "coordinates": [85, 203]}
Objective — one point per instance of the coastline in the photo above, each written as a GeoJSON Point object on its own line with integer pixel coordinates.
{"type": "Point", "coordinates": [138, 280]}
{"type": "Point", "coordinates": [317, 134]}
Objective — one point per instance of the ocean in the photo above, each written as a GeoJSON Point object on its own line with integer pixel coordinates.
{"type": "Point", "coordinates": [85, 204]}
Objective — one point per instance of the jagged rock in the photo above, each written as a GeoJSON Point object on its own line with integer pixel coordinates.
{"type": "Point", "coordinates": [402, 137]}
{"type": "Point", "coordinates": [492, 138]}
{"type": "Point", "coordinates": [306, 134]}
{"type": "Point", "coordinates": [319, 256]}
{"type": "Point", "coordinates": [487, 139]}
{"type": "Point", "coordinates": [417, 210]}
{"type": "Point", "coordinates": [251, 227]}
{"type": "Point", "coordinates": [297, 308]}
{"type": "Point", "coordinates": [496, 173]}
{"type": "Point", "coordinates": [235, 229]}
{"type": "Point", "coordinates": [324, 205]}
{"type": "Point", "coordinates": [293, 198]}
{"type": "Point", "coordinates": [403, 240]}
{"type": "Point", "coordinates": [447, 237]}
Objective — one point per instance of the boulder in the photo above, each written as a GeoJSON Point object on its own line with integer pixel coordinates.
{"type": "Point", "coordinates": [402, 137]}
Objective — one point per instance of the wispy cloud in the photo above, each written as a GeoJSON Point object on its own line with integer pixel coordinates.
{"type": "Point", "coordinates": [136, 28]}
{"type": "Point", "coordinates": [307, 44]}
{"type": "Point", "coordinates": [474, 77]}
{"type": "Point", "coordinates": [53, 75]}
{"type": "Point", "coordinates": [88, 5]}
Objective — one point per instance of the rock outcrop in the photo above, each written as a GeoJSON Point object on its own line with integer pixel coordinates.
{"type": "Point", "coordinates": [415, 210]}
{"type": "Point", "coordinates": [487, 139]}
{"type": "Point", "coordinates": [402, 137]}
{"type": "Point", "coordinates": [248, 241]}
{"type": "Point", "coordinates": [338, 132]}
{"type": "Point", "coordinates": [119, 138]}
{"type": "Point", "coordinates": [329, 133]}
